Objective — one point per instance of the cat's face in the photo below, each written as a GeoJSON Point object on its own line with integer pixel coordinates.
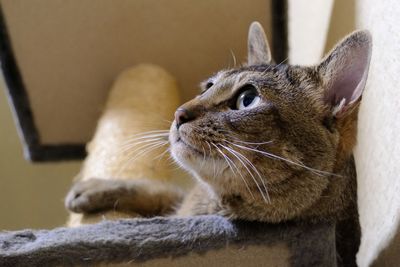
{"type": "Point", "coordinates": [255, 116]}
{"type": "Point", "coordinates": [256, 126]}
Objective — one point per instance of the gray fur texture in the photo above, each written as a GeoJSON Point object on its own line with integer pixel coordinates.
{"type": "Point", "coordinates": [143, 239]}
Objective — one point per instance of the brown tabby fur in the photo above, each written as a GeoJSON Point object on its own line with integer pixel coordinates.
{"type": "Point", "coordinates": [300, 115]}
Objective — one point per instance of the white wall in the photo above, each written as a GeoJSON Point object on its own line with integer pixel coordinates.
{"type": "Point", "coordinates": [378, 150]}
{"type": "Point", "coordinates": [308, 29]}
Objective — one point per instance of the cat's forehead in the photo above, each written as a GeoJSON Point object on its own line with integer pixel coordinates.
{"type": "Point", "coordinates": [264, 75]}
{"type": "Point", "coordinates": [234, 76]}
{"type": "Point", "coordinates": [224, 83]}
{"type": "Point", "coordinates": [281, 80]}
{"type": "Point", "coordinates": [271, 76]}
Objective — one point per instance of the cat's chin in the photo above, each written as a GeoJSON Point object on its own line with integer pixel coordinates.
{"type": "Point", "coordinates": [185, 155]}
{"type": "Point", "coordinates": [192, 158]}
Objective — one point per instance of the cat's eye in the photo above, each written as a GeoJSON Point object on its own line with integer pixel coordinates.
{"type": "Point", "coordinates": [209, 85]}
{"type": "Point", "coordinates": [248, 99]}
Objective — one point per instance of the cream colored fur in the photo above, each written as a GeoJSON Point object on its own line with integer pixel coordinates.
{"type": "Point", "coordinates": [142, 99]}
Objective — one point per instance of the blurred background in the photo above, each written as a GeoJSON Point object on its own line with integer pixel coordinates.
{"type": "Point", "coordinates": [31, 195]}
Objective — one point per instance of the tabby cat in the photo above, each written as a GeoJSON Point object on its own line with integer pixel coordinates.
{"type": "Point", "coordinates": [267, 142]}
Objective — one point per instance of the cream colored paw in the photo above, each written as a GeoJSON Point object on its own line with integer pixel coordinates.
{"type": "Point", "coordinates": [93, 195]}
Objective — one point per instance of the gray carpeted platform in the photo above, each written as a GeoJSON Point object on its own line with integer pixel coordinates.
{"type": "Point", "coordinates": [144, 239]}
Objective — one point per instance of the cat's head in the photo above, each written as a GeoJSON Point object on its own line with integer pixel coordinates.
{"type": "Point", "coordinates": [258, 125]}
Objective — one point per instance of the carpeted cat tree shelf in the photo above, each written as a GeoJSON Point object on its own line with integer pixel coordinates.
{"type": "Point", "coordinates": [196, 241]}
{"type": "Point", "coordinates": [58, 83]}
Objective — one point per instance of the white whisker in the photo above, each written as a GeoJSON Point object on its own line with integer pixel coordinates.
{"type": "Point", "coordinates": [204, 157]}
{"type": "Point", "coordinates": [234, 153]}
{"type": "Point", "coordinates": [224, 156]}
{"type": "Point", "coordinates": [231, 162]}
{"type": "Point", "coordinates": [147, 136]}
{"type": "Point", "coordinates": [253, 143]}
{"type": "Point", "coordinates": [141, 142]}
{"type": "Point", "coordinates": [159, 157]}
{"type": "Point", "coordinates": [283, 61]}
{"type": "Point", "coordinates": [256, 171]}
{"type": "Point", "coordinates": [210, 155]}
{"type": "Point", "coordinates": [236, 139]}
{"type": "Point", "coordinates": [149, 148]}
{"type": "Point", "coordinates": [273, 156]}
{"type": "Point", "coordinates": [233, 57]}
{"type": "Point", "coordinates": [142, 146]}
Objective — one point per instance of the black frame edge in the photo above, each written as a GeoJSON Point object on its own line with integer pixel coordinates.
{"type": "Point", "coordinates": [280, 47]}
{"type": "Point", "coordinates": [62, 152]}
{"type": "Point", "coordinates": [17, 95]}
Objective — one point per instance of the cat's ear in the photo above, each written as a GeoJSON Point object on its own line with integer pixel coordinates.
{"type": "Point", "coordinates": [258, 51]}
{"type": "Point", "coordinates": [344, 72]}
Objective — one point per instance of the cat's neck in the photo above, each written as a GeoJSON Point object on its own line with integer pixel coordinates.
{"type": "Point", "coordinates": [304, 196]}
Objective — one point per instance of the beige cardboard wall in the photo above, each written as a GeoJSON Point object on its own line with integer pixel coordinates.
{"type": "Point", "coordinates": [69, 52]}
{"type": "Point", "coordinates": [31, 196]}
{"type": "Point", "coordinates": [342, 22]}
{"type": "Point", "coordinates": [378, 150]}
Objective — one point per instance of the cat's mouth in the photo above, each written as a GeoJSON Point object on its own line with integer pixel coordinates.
{"type": "Point", "coordinates": [189, 146]}
{"type": "Point", "coordinates": [194, 155]}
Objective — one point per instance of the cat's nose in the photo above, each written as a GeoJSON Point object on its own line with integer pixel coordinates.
{"type": "Point", "coordinates": [182, 115]}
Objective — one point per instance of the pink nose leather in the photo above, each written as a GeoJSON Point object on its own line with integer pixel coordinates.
{"type": "Point", "coordinates": [182, 116]}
